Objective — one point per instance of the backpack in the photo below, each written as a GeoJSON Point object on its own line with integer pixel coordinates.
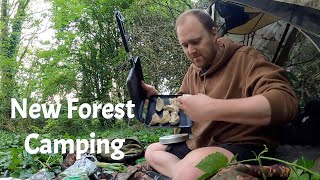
{"type": "Point", "coordinates": [132, 148]}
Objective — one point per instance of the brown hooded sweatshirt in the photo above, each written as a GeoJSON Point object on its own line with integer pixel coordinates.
{"type": "Point", "coordinates": [238, 72]}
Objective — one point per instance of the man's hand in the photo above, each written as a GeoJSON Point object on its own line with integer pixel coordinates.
{"type": "Point", "coordinates": [197, 107]}
{"type": "Point", "coordinates": [150, 90]}
{"type": "Point", "coordinates": [253, 110]}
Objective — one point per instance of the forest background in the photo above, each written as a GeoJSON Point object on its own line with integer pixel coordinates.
{"type": "Point", "coordinates": [51, 50]}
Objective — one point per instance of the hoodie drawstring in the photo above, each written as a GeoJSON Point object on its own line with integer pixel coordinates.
{"type": "Point", "coordinates": [205, 85]}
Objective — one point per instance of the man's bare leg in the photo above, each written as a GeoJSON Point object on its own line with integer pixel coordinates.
{"type": "Point", "coordinates": [186, 167]}
{"type": "Point", "coordinates": [162, 161]}
{"type": "Point", "coordinates": [171, 166]}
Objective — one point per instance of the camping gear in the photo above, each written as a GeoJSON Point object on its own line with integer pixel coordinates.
{"type": "Point", "coordinates": [110, 167]}
{"type": "Point", "coordinates": [136, 92]}
{"type": "Point", "coordinates": [176, 138]}
{"type": "Point", "coordinates": [184, 120]}
{"type": "Point", "coordinates": [132, 149]}
{"type": "Point", "coordinates": [244, 17]}
{"type": "Point", "coordinates": [135, 74]}
{"type": "Point", "coordinates": [43, 174]}
{"type": "Point", "coordinates": [81, 169]}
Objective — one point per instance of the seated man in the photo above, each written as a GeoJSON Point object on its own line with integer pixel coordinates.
{"type": "Point", "coordinates": [237, 98]}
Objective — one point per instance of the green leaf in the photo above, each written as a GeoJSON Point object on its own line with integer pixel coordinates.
{"type": "Point", "coordinates": [304, 176]}
{"type": "Point", "coordinates": [204, 176]}
{"type": "Point", "coordinates": [294, 174]}
{"type": "Point", "coordinates": [15, 174]}
{"type": "Point", "coordinates": [313, 177]}
{"type": "Point", "coordinates": [299, 171]}
{"type": "Point", "coordinates": [307, 163]}
{"type": "Point", "coordinates": [213, 163]}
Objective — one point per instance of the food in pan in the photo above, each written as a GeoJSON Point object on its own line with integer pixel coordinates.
{"type": "Point", "coordinates": [170, 113]}
{"type": "Point", "coordinates": [174, 118]}
{"type": "Point", "coordinates": [171, 108]}
{"type": "Point", "coordinates": [165, 117]}
{"type": "Point", "coordinates": [160, 104]}
{"type": "Point", "coordinates": [173, 101]}
{"type": "Point", "coordinates": [155, 119]}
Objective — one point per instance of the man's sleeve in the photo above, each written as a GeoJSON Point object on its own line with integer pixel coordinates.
{"type": "Point", "coordinates": [267, 79]}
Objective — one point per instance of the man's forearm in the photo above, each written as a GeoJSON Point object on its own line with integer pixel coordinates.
{"type": "Point", "coordinates": [253, 110]}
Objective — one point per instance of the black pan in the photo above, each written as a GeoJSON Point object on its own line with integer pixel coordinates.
{"type": "Point", "coordinates": [184, 120]}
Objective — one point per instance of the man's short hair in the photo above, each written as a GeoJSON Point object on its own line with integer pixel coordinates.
{"type": "Point", "coordinates": [203, 17]}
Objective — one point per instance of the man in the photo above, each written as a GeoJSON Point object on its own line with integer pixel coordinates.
{"type": "Point", "coordinates": [237, 96]}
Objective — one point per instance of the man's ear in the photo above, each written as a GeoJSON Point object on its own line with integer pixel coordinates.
{"type": "Point", "coordinates": [215, 33]}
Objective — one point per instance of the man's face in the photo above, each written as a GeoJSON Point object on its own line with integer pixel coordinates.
{"type": "Point", "coordinates": [197, 43]}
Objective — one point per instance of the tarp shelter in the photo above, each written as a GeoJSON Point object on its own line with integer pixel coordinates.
{"type": "Point", "coordinates": [246, 16]}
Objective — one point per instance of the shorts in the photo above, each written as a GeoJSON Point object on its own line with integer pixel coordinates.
{"type": "Point", "coordinates": [179, 149]}
{"type": "Point", "coordinates": [243, 151]}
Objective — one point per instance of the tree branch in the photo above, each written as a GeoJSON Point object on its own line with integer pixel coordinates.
{"type": "Point", "coordinates": [302, 62]}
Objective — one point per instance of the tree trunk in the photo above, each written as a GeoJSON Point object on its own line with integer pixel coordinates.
{"type": "Point", "coordinates": [8, 51]}
{"type": "Point", "coordinates": [284, 54]}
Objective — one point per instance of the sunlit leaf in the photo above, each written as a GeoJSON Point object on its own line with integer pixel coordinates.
{"type": "Point", "coordinates": [213, 163]}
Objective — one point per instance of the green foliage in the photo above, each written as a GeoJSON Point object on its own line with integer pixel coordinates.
{"type": "Point", "coordinates": [86, 60]}
{"type": "Point", "coordinates": [145, 134]}
{"type": "Point", "coordinates": [20, 163]}
{"type": "Point", "coordinates": [65, 125]}
{"type": "Point", "coordinates": [14, 158]}
{"type": "Point", "coordinates": [300, 169]}
{"type": "Point", "coordinates": [159, 56]}
{"type": "Point", "coordinates": [303, 69]}
{"type": "Point", "coordinates": [212, 164]}
{"type": "Point", "coordinates": [298, 173]}
{"type": "Point", "coordinates": [307, 163]}
{"type": "Point", "coordinates": [10, 37]}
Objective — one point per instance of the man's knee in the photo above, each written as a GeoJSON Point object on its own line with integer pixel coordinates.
{"type": "Point", "coordinates": [186, 168]}
{"type": "Point", "coordinates": [151, 149]}
{"type": "Point", "coordinates": [186, 173]}
{"type": "Point", "coordinates": [197, 155]}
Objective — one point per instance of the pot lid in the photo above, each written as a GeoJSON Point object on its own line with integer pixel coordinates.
{"type": "Point", "coordinates": [175, 138]}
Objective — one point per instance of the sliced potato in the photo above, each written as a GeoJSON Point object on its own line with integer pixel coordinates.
{"type": "Point", "coordinates": [171, 108]}
{"type": "Point", "coordinates": [160, 104]}
{"type": "Point", "coordinates": [155, 119]}
{"type": "Point", "coordinates": [175, 119]}
{"type": "Point", "coordinates": [165, 118]}
{"type": "Point", "coordinates": [173, 101]}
